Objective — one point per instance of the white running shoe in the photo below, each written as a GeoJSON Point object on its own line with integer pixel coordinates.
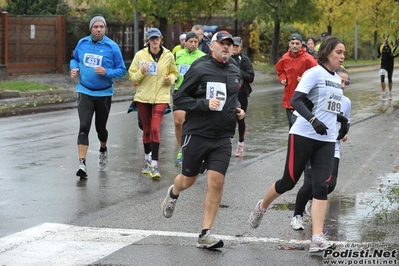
{"type": "Point", "coordinates": [102, 160]}
{"type": "Point", "coordinates": [240, 150]}
{"type": "Point", "coordinates": [82, 171]}
{"type": "Point", "coordinates": [320, 244]}
{"type": "Point", "coordinates": [297, 222]}
{"type": "Point", "coordinates": [208, 241]}
{"type": "Point", "coordinates": [256, 216]}
{"type": "Point", "coordinates": [168, 204]}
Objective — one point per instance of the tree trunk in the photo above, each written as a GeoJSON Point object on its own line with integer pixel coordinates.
{"type": "Point", "coordinates": [375, 44]}
{"type": "Point", "coordinates": [163, 27]}
{"type": "Point", "coordinates": [276, 36]}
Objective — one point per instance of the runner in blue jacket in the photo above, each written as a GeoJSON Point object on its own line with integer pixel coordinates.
{"type": "Point", "coordinates": [97, 60]}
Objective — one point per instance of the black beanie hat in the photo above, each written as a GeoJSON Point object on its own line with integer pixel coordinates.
{"type": "Point", "coordinates": [190, 35]}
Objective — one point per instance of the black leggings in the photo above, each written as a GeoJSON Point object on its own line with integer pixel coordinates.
{"type": "Point", "coordinates": [300, 150]}
{"type": "Point", "coordinates": [87, 106]}
{"type": "Point", "coordinates": [242, 128]}
{"type": "Point", "coordinates": [305, 192]}
{"type": "Point", "coordinates": [389, 72]}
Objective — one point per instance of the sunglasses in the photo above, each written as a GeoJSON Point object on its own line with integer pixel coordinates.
{"type": "Point", "coordinates": [348, 82]}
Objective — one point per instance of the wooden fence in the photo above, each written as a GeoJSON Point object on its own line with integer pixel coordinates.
{"type": "Point", "coordinates": [32, 44]}
{"type": "Point", "coordinates": [39, 45]}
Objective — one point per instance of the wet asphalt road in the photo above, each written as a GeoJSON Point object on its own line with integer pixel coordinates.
{"type": "Point", "coordinates": [38, 160]}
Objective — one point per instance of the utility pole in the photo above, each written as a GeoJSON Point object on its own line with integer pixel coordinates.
{"type": "Point", "coordinates": [236, 20]}
{"type": "Point", "coordinates": [136, 29]}
{"type": "Point", "coordinates": [356, 41]}
{"type": "Point", "coordinates": [356, 33]}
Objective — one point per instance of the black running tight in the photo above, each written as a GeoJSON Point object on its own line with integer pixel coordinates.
{"type": "Point", "coordinates": [305, 192]}
{"type": "Point", "coordinates": [300, 150]}
{"type": "Point", "coordinates": [87, 106]}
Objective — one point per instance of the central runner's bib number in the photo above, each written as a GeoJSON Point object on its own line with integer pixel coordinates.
{"type": "Point", "coordinates": [333, 102]}
{"type": "Point", "coordinates": [217, 90]}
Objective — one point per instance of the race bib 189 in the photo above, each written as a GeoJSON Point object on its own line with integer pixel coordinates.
{"type": "Point", "coordinates": [332, 102]}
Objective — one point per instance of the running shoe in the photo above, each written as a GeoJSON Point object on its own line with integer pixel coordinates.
{"type": "Point", "coordinates": [178, 158]}
{"type": "Point", "coordinates": [319, 244]}
{"type": "Point", "coordinates": [209, 242]}
{"type": "Point", "coordinates": [168, 205]}
{"type": "Point", "coordinates": [240, 150]}
{"type": "Point", "coordinates": [308, 208]}
{"type": "Point", "coordinates": [383, 95]}
{"type": "Point", "coordinates": [82, 171]}
{"type": "Point", "coordinates": [297, 222]}
{"type": "Point", "coordinates": [155, 172]}
{"type": "Point", "coordinates": [147, 167]}
{"type": "Point", "coordinates": [256, 215]}
{"type": "Point", "coordinates": [102, 160]}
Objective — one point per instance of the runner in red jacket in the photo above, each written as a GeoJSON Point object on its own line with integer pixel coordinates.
{"type": "Point", "coordinates": [290, 69]}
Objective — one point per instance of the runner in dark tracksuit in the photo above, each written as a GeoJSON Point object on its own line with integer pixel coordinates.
{"type": "Point", "coordinates": [248, 75]}
{"type": "Point", "coordinates": [208, 94]}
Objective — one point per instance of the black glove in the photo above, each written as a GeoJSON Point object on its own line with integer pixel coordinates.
{"type": "Point", "coordinates": [319, 126]}
{"type": "Point", "coordinates": [341, 118]}
{"type": "Point", "coordinates": [344, 126]}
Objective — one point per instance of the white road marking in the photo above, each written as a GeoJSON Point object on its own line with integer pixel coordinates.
{"type": "Point", "coordinates": [60, 244]}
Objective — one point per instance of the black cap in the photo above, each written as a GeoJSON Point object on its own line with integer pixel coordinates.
{"type": "Point", "coordinates": [237, 41]}
{"type": "Point", "coordinates": [190, 35]}
{"type": "Point", "coordinates": [222, 35]}
{"type": "Point", "coordinates": [324, 34]}
{"type": "Point", "coordinates": [296, 36]}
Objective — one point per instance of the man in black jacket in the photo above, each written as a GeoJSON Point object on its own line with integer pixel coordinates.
{"type": "Point", "coordinates": [248, 75]}
{"type": "Point", "coordinates": [208, 94]}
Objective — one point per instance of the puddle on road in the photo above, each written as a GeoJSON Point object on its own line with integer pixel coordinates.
{"type": "Point", "coordinates": [353, 219]}
{"type": "Point", "coordinates": [356, 217]}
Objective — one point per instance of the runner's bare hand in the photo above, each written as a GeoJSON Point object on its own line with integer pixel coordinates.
{"type": "Point", "coordinates": [213, 103]}
{"type": "Point", "coordinates": [240, 113]}
{"type": "Point", "coordinates": [100, 70]}
{"type": "Point", "coordinates": [74, 72]}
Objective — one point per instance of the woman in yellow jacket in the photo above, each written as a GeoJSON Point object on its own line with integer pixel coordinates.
{"type": "Point", "coordinates": [154, 71]}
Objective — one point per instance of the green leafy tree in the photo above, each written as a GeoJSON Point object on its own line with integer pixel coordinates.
{"type": "Point", "coordinates": [159, 13]}
{"type": "Point", "coordinates": [279, 12]}
{"type": "Point", "coordinates": [331, 12]}
{"type": "Point", "coordinates": [37, 7]}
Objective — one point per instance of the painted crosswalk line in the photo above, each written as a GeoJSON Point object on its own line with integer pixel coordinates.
{"type": "Point", "coordinates": [60, 244]}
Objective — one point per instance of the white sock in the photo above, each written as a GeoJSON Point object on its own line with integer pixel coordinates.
{"type": "Point", "coordinates": [148, 156]}
{"type": "Point", "coordinates": [154, 163]}
{"type": "Point", "coordinates": [261, 208]}
{"type": "Point", "coordinates": [315, 236]}
{"type": "Point", "coordinates": [241, 143]}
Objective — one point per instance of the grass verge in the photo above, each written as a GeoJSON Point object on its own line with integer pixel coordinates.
{"type": "Point", "coordinates": [25, 86]}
